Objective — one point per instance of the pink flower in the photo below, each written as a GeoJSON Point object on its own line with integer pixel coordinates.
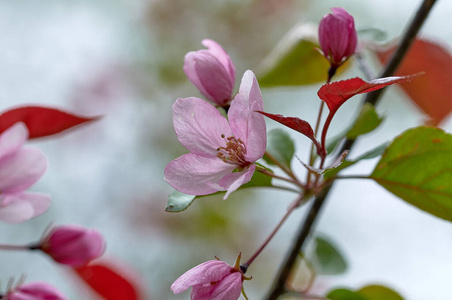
{"type": "Point", "coordinates": [20, 168]}
{"type": "Point", "coordinates": [212, 72]}
{"type": "Point", "coordinates": [35, 291]}
{"type": "Point", "coordinates": [337, 36]}
{"type": "Point", "coordinates": [73, 245]}
{"type": "Point", "coordinates": [212, 280]}
{"type": "Point", "coordinates": [222, 154]}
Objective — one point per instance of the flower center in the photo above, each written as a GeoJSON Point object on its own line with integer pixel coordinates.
{"type": "Point", "coordinates": [234, 152]}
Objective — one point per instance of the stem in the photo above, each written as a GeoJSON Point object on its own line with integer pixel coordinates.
{"type": "Point", "coordinates": [14, 247]}
{"type": "Point", "coordinates": [245, 266]}
{"type": "Point", "coordinates": [268, 173]}
{"type": "Point", "coordinates": [303, 232]}
{"type": "Point", "coordinates": [352, 177]}
{"type": "Point", "coordinates": [281, 166]}
{"type": "Point", "coordinates": [285, 188]}
{"type": "Point", "coordinates": [323, 139]}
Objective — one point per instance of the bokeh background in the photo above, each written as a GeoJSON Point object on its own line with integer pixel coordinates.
{"type": "Point", "coordinates": [123, 60]}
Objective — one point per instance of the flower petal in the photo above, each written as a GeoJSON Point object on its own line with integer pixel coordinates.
{"type": "Point", "coordinates": [197, 175]}
{"type": "Point", "coordinates": [229, 288]}
{"type": "Point", "coordinates": [222, 56]}
{"type": "Point", "coordinates": [214, 78]}
{"type": "Point", "coordinates": [199, 126]}
{"type": "Point", "coordinates": [21, 207]}
{"type": "Point", "coordinates": [245, 122]}
{"type": "Point", "coordinates": [234, 180]}
{"type": "Point", "coordinates": [207, 272]}
{"type": "Point", "coordinates": [20, 170]}
{"type": "Point", "coordinates": [13, 138]}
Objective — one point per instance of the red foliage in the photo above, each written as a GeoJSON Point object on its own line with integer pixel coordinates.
{"type": "Point", "coordinates": [41, 121]}
{"type": "Point", "coordinates": [110, 283]}
{"type": "Point", "coordinates": [292, 122]}
{"type": "Point", "coordinates": [431, 92]}
{"type": "Point", "coordinates": [336, 93]}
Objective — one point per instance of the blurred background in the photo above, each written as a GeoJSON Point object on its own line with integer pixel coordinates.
{"type": "Point", "coordinates": [123, 60]}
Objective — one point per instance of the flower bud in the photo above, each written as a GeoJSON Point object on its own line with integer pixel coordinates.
{"type": "Point", "coordinates": [34, 291]}
{"type": "Point", "coordinates": [212, 72]}
{"type": "Point", "coordinates": [73, 245]}
{"type": "Point", "coordinates": [214, 280]}
{"type": "Point", "coordinates": [337, 36]}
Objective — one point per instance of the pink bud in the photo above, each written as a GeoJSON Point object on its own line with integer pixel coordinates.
{"type": "Point", "coordinates": [212, 72]}
{"type": "Point", "coordinates": [337, 36]}
{"type": "Point", "coordinates": [35, 291]}
{"type": "Point", "coordinates": [73, 245]}
{"type": "Point", "coordinates": [214, 280]}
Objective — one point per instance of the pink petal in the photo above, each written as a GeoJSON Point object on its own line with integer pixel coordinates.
{"type": "Point", "coordinates": [20, 170]}
{"type": "Point", "coordinates": [215, 79]}
{"type": "Point", "coordinates": [197, 175]}
{"type": "Point", "coordinates": [207, 272]}
{"type": "Point", "coordinates": [13, 138]}
{"type": "Point", "coordinates": [190, 61]}
{"type": "Point", "coordinates": [35, 291]}
{"type": "Point", "coordinates": [245, 122]}
{"type": "Point", "coordinates": [234, 180]}
{"type": "Point", "coordinates": [229, 288]}
{"type": "Point", "coordinates": [199, 126]}
{"type": "Point", "coordinates": [222, 56]}
{"type": "Point", "coordinates": [21, 207]}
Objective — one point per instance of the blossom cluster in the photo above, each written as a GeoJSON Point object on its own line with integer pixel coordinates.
{"type": "Point", "coordinates": [21, 167]}
{"type": "Point", "coordinates": [223, 151]}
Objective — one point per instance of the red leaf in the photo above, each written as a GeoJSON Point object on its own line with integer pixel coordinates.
{"type": "Point", "coordinates": [110, 283]}
{"type": "Point", "coordinates": [336, 93]}
{"type": "Point", "coordinates": [292, 122]}
{"type": "Point", "coordinates": [296, 124]}
{"type": "Point", "coordinates": [431, 92]}
{"type": "Point", "coordinates": [41, 121]}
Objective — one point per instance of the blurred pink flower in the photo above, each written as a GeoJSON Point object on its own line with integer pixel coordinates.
{"type": "Point", "coordinates": [20, 168]}
{"type": "Point", "coordinates": [222, 154]}
{"type": "Point", "coordinates": [337, 36]}
{"type": "Point", "coordinates": [73, 245]}
{"type": "Point", "coordinates": [34, 291]}
{"type": "Point", "coordinates": [212, 72]}
{"type": "Point", "coordinates": [212, 280]}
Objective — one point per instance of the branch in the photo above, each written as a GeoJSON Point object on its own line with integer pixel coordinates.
{"type": "Point", "coordinates": [305, 228]}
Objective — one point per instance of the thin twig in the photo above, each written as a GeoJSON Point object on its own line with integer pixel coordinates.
{"type": "Point", "coordinates": [305, 228]}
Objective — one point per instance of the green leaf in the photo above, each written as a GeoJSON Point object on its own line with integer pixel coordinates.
{"type": "Point", "coordinates": [178, 201]}
{"type": "Point", "coordinates": [344, 294]}
{"type": "Point", "coordinates": [378, 292]}
{"type": "Point", "coordinates": [295, 61]}
{"type": "Point", "coordinates": [417, 167]}
{"type": "Point", "coordinates": [281, 146]}
{"type": "Point", "coordinates": [366, 122]}
{"type": "Point", "coordinates": [347, 163]}
{"type": "Point", "coordinates": [327, 259]}
{"type": "Point", "coordinates": [370, 292]}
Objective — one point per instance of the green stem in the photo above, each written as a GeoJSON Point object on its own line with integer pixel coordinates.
{"type": "Point", "coordinates": [271, 174]}
{"type": "Point", "coordinates": [282, 167]}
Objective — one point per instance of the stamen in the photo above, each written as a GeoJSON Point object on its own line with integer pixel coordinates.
{"type": "Point", "coordinates": [234, 152]}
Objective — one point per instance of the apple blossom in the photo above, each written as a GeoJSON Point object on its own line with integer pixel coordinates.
{"type": "Point", "coordinates": [337, 36]}
{"type": "Point", "coordinates": [72, 245]}
{"type": "Point", "coordinates": [20, 168]}
{"type": "Point", "coordinates": [212, 72]}
{"type": "Point", "coordinates": [34, 291]}
{"type": "Point", "coordinates": [211, 280]}
{"type": "Point", "coordinates": [222, 154]}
